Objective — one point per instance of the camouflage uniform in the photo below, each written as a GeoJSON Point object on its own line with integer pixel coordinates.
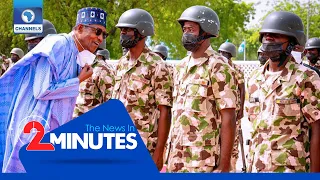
{"type": "Point", "coordinates": [239, 78]}
{"type": "Point", "coordinates": [96, 89]}
{"type": "Point", "coordinates": [202, 87]}
{"type": "Point", "coordinates": [142, 85]}
{"type": "Point", "coordinates": [277, 107]}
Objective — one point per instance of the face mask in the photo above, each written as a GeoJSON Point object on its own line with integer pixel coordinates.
{"type": "Point", "coordinates": [84, 57]}
{"type": "Point", "coordinates": [272, 51]}
{"type": "Point", "coordinates": [226, 55]}
{"type": "Point", "coordinates": [126, 41]}
{"type": "Point", "coordinates": [14, 59]}
{"type": "Point", "coordinates": [312, 58]}
{"type": "Point", "coordinates": [262, 59]}
{"type": "Point", "coordinates": [31, 46]}
{"type": "Point", "coordinates": [297, 56]}
{"type": "Point", "coordinates": [190, 42]}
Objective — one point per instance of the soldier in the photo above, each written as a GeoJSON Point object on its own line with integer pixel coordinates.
{"type": "Point", "coordinates": [96, 89]}
{"type": "Point", "coordinates": [16, 54]}
{"type": "Point", "coordinates": [229, 50]}
{"type": "Point", "coordinates": [162, 51]}
{"type": "Point", "coordinates": [261, 59]}
{"type": "Point", "coordinates": [103, 55]}
{"type": "Point", "coordinates": [312, 48]}
{"type": "Point", "coordinates": [204, 99]}
{"type": "Point", "coordinates": [34, 39]}
{"type": "Point", "coordinates": [284, 102]}
{"type": "Point", "coordinates": [143, 82]}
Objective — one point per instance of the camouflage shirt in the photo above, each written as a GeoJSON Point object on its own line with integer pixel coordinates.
{"type": "Point", "coordinates": [239, 78]}
{"type": "Point", "coordinates": [281, 107]}
{"type": "Point", "coordinates": [96, 89]}
{"type": "Point", "coordinates": [202, 87]}
{"type": "Point", "coordinates": [142, 85]}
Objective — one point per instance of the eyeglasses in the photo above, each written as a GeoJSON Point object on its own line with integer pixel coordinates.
{"type": "Point", "coordinates": [98, 31]}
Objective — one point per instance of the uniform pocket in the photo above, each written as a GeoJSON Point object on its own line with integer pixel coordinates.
{"type": "Point", "coordinates": [287, 107]}
{"type": "Point", "coordinates": [197, 97]}
{"type": "Point", "coordinates": [138, 91]}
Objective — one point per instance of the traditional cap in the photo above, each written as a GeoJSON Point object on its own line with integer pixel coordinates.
{"type": "Point", "coordinates": [92, 15]}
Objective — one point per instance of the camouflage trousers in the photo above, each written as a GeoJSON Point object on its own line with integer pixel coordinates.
{"type": "Point", "coordinates": [191, 159]}
{"type": "Point", "coordinates": [278, 169]}
{"type": "Point", "coordinates": [235, 149]}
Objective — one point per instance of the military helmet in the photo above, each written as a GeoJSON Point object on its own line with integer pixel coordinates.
{"type": "Point", "coordinates": [286, 23]}
{"type": "Point", "coordinates": [313, 43]}
{"type": "Point", "coordinates": [161, 49]}
{"type": "Point", "coordinates": [138, 19]}
{"type": "Point", "coordinates": [18, 52]}
{"type": "Point", "coordinates": [104, 52]}
{"type": "Point", "coordinates": [48, 28]}
{"type": "Point", "coordinates": [204, 16]}
{"type": "Point", "coordinates": [229, 47]}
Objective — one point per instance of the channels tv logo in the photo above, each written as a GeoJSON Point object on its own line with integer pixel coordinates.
{"type": "Point", "coordinates": [27, 18]}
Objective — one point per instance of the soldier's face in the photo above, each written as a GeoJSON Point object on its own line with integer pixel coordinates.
{"type": "Point", "coordinates": [191, 28]}
{"type": "Point", "coordinates": [276, 38]}
{"type": "Point", "coordinates": [89, 38]}
{"type": "Point", "coordinates": [313, 51]}
{"type": "Point", "coordinates": [100, 57]}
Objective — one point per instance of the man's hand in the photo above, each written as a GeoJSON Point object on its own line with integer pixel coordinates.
{"type": "Point", "coordinates": [158, 158]}
{"type": "Point", "coordinates": [85, 73]}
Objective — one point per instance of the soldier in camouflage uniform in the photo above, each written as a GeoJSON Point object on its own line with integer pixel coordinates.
{"type": "Point", "coordinates": [143, 82]}
{"type": "Point", "coordinates": [312, 48]}
{"type": "Point", "coordinates": [204, 99]}
{"type": "Point", "coordinates": [96, 89]}
{"type": "Point", "coordinates": [261, 59]}
{"type": "Point", "coordinates": [162, 51]}
{"type": "Point", "coordinates": [229, 50]}
{"type": "Point", "coordinates": [284, 102]}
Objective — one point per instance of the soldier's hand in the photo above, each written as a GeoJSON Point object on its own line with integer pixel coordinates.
{"type": "Point", "coordinates": [85, 73]}
{"type": "Point", "coordinates": [240, 114]}
{"type": "Point", "coordinates": [158, 159]}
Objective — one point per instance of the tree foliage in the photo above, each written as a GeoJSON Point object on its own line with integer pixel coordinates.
{"type": "Point", "coordinates": [233, 17]}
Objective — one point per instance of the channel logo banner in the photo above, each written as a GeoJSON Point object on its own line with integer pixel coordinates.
{"type": "Point", "coordinates": [97, 143]}
{"type": "Point", "coordinates": [27, 17]}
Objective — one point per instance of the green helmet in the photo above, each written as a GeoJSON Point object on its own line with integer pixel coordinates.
{"type": "Point", "coordinates": [161, 49]}
{"type": "Point", "coordinates": [229, 47]}
{"type": "Point", "coordinates": [286, 23]}
{"type": "Point", "coordinates": [137, 19]}
{"type": "Point", "coordinates": [313, 43]}
{"type": "Point", "coordinates": [104, 52]}
{"type": "Point", "coordinates": [204, 16]}
{"type": "Point", "coordinates": [18, 52]}
{"type": "Point", "coordinates": [48, 28]}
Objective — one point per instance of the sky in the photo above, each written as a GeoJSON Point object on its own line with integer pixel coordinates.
{"type": "Point", "coordinates": [262, 7]}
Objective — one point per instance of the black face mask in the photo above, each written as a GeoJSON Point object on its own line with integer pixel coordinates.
{"type": "Point", "coordinates": [262, 59]}
{"type": "Point", "coordinates": [274, 52]}
{"type": "Point", "coordinates": [14, 59]}
{"type": "Point", "coordinates": [191, 42]}
{"type": "Point", "coordinates": [126, 41]}
{"type": "Point", "coordinates": [31, 46]}
{"type": "Point", "coordinates": [312, 58]}
{"type": "Point", "coordinates": [226, 55]}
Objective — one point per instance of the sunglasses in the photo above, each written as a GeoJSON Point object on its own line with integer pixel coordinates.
{"type": "Point", "coordinates": [98, 31]}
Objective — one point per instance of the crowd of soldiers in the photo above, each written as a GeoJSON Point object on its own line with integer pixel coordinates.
{"type": "Point", "coordinates": [189, 115]}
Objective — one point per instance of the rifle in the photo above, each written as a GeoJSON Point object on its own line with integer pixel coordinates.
{"type": "Point", "coordinates": [244, 167]}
